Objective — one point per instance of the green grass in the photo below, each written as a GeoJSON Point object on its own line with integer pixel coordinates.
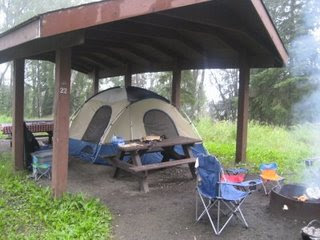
{"type": "Point", "coordinates": [287, 147]}
{"type": "Point", "coordinates": [28, 211]}
{"type": "Point", "coordinates": [5, 119]}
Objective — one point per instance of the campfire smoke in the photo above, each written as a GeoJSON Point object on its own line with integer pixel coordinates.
{"type": "Point", "coordinates": [305, 63]}
{"type": "Point", "coordinates": [311, 178]}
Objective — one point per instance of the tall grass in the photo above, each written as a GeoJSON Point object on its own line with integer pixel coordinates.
{"type": "Point", "coordinates": [28, 211]}
{"type": "Point", "coordinates": [287, 147]}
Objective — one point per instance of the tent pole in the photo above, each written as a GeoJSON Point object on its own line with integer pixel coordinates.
{"type": "Point", "coordinates": [18, 103]}
{"type": "Point", "coordinates": [61, 122]}
{"type": "Point", "coordinates": [243, 109]}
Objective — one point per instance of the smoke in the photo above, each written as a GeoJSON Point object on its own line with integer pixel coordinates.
{"type": "Point", "coordinates": [305, 63]}
{"type": "Point", "coordinates": [311, 176]}
{"type": "Point", "coordinates": [305, 68]}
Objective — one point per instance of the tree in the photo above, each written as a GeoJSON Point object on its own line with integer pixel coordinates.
{"type": "Point", "coordinates": [226, 83]}
{"type": "Point", "coordinates": [277, 91]}
{"type": "Point", "coordinates": [81, 90]}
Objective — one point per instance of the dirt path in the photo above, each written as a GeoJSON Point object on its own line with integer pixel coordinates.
{"type": "Point", "coordinates": [168, 210]}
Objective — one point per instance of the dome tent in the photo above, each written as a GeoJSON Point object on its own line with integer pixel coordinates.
{"type": "Point", "coordinates": [130, 113]}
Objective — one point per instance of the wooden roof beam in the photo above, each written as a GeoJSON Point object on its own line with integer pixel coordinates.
{"type": "Point", "coordinates": [79, 68]}
{"type": "Point", "coordinates": [145, 56]}
{"type": "Point", "coordinates": [221, 24]}
{"type": "Point", "coordinates": [96, 57]}
{"type": "Point", "coordinates": [81, 65]}
{"type": "Point", "coordinates": [150, 42]}
{"type": "Point", "coordinates": [124, 38]}
{"type": "Point", "coordinates": [106, 53]}
{"type": "Point", "coordinates": [153, 31]}
{"type": "Point", "coordinates": [94, 61]}
{"type": "Point", "coordinates": [185, 25]}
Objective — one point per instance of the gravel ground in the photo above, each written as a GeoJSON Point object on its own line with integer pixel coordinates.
{"type": "Point", "coordinates": [168, 210]}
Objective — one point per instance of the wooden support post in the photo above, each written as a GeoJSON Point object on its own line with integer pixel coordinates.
{"type": "Point", "coordinates": [243, 109]}
{"type": "Point", "coordinates": [18, 104]}
{"type": "Point", "coordinates": [128, 77]}
{"type": "Point", "coordinates": [61, 122]}
{"type": "Point", "coordinates": [95, 79]}
{"type": "Point", "coordinates": [176, 87]}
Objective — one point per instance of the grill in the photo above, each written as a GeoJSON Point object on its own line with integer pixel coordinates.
{"type": "Point", "coordinates": [283, 202]}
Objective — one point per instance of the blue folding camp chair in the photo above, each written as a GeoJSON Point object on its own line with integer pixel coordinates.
{"type": "Point", "coordinates": [224, 197]}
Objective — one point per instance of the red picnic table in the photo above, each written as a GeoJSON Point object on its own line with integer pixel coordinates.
{"type": "Point", "coordinates": [35, 126]}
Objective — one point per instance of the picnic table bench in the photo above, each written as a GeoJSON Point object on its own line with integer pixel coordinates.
{"type": "Point", "coordinates": [137, 149]}
{"type": "Point", "coordinates": [36, 126]}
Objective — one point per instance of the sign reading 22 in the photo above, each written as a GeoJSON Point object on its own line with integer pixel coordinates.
{"type": "Point", "coordinates": [63, 90]}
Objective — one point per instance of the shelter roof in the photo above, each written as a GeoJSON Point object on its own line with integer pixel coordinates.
{"type": "Point", "coordinates": [115, 36]}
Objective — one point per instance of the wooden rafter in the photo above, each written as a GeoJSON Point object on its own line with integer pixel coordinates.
{"type": "Point", "coordinates": [171, 22]}
{"type": "Point", "coordinates": [154, 32]}
{"type": "Point", "coordinates": [105, 53]}
{"type": "Point", "coordinates": [131, 48]}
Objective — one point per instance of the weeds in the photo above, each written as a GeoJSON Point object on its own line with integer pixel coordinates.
{"type": "Point", "coordinates": [28, 211]}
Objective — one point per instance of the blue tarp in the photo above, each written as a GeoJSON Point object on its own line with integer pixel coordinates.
{"type": "Point", "coordinates": [92, 152]}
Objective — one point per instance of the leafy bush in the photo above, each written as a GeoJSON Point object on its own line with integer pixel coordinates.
{"type": "Point", "coordinates": [28, 211]}
{"type": "Point", "coordinates": [287, 147]}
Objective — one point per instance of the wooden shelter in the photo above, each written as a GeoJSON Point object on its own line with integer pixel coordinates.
{"type": "Point", "coordinates": [124, 37]}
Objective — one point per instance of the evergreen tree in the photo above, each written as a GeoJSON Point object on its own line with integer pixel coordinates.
{"type": "Point", "coordinates": [277, 91]}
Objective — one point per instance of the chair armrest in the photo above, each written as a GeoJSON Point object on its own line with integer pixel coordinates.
{"type": "Point", "coordinates": [231, 183]}
{"type": "Point", "coordinates": [248, 183]}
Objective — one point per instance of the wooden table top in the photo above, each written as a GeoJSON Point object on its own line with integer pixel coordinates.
{"type": "Point", "coordinates": [33, 126]}
{"type": "Point", "coordinates": [155, 144]}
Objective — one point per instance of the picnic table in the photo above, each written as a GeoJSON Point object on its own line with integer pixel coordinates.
{"type": "Point", "coordinates": [36, 126]}
{"type": "Point", "coordinates": [137, 149]}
